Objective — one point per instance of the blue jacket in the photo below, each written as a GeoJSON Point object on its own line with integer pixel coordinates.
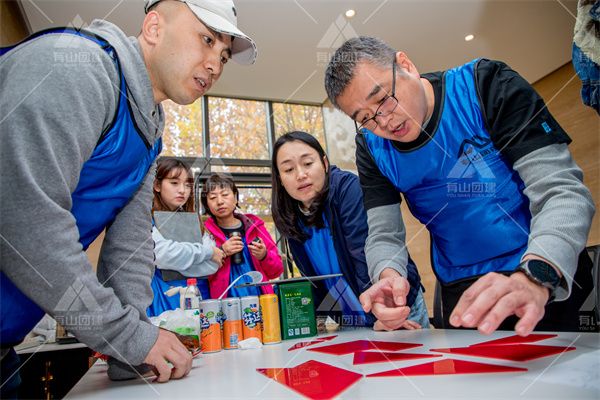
{"type": "Point", "coordinates": [347, 218]}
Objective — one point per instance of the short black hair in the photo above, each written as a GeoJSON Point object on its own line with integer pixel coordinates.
{"type": "Point", "coordinates": [341, 68]}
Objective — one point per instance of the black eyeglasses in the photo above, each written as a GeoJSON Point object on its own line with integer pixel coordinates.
{"type": "Point", "coordinates": [386, 108]}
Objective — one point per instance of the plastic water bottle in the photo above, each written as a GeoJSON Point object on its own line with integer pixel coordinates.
{"type": "Point", "coordinates": [191, 299]}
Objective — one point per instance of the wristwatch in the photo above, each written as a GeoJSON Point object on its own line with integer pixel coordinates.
{"type": "Point", "coordinates": [541, 273]}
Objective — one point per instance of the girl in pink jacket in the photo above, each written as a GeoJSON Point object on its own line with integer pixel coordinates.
{"type": "Point", "coordinates": [247, 244]}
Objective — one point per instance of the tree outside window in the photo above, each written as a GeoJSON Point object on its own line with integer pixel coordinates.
{"type": "Point", "coordinates": [182, 136]}
{"type": "Point", "coordinates": [298, 117]}
{"type": "Point", "coordinates": [238, 128]}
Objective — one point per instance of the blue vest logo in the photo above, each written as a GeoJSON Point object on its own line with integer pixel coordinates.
{"type": "Point", "coordinates": [471, 175]}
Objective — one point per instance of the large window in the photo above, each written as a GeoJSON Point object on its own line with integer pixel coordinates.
{"type": "Point", "coordinates": [226, 129]}
{"type": "Point", "coordinates": [235, 136]}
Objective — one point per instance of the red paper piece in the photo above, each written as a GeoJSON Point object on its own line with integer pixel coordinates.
{"type": "Point", "coordinates": [447, 367]}
{"type": "Point", "coordinates": [535, 337]}
{"type": "Point", "coordinates": [361, 345]}
{"type": "Point", "coordinates": [369, 357]}
{"type": "Point", "coordinates": [300, 345]}
{"type": "Point", "coordinates": [326, 338]}
{"type": "Point", "coordinates": [512, 352]}
{"type": "Point", "coordinates": [313, 379]}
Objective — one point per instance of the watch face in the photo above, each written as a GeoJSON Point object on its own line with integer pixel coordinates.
{"type": "Point", "coordinates": [543, 272]}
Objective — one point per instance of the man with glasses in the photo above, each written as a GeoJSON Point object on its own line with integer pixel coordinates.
{"type": "Point", "coordinates": [81, 123]}
{"type": "Point", "coordinates": [486, 168]}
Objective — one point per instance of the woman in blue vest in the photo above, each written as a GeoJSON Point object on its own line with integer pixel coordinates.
{"type": "Point", "coordinates": [319, 209]}
{"type": "Point", "coordinates": [175, 261]}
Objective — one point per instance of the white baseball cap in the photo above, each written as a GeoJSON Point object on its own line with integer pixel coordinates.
{"type": "Point", "coordinates": [221, 16]}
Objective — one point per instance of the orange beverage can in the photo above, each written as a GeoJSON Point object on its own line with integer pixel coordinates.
{"type": "Point", "coordinates": [232, 322]}
{"type": "Point", "coordinates": [269, 311]}
{"type": "Point", "coordinates": [210, 337]}
{"type": "Point", "coordinates": [252, 321]}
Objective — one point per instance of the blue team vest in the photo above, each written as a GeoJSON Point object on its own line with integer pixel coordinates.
{"type": "Point", "coordinates": [321, 253]}
{"type": "Point", "coordinates": [461, 187]}
{"type": "Point", "coordinates": [108, 180]}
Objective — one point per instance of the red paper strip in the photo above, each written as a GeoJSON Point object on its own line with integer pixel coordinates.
{"type": "Point", "coordinates": [313, 379]}
{"type": "Point", "coordinates": [515, 339]}
{"type": "Point", "coordinates": [369, 357]}
{"type": "Point", "coordinates": [361, 345]}
{"type": "Point", "coordinates": [447, 367]}
{"type": "Point", "coordinates": [512, 352]}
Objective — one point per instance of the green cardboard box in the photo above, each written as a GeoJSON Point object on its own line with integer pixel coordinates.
{"type": "Point", "coordinates": [297, 310]}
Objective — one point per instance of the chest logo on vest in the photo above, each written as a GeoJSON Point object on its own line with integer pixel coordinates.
{"type": "Point", "coordinates": [471, 175]}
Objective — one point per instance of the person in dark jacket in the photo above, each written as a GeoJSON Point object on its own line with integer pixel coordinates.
{"type": "Point", "coordinates": [318, 208]}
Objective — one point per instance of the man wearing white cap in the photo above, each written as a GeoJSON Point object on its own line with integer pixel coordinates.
{"type": "Point", "coordinates": [81, 125]}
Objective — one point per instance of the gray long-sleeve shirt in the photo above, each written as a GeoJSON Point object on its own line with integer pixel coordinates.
{"type": "Point", "coordinates": [57, 95]}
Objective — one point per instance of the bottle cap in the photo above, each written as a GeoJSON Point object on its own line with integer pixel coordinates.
{"type": "Point", "coordinates": [191, 281]}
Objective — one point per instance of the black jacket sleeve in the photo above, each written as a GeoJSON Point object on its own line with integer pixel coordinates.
{"type": "Point", "coordinates": [377, 189]}
{"type": "Point", "coordinates": [515, 115]}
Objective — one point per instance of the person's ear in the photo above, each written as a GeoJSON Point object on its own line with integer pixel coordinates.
{"type": "Point", "coordinates": [151, 27]}
{"type": "Point", "coordinates": [326, 163]}
{"type": "Point", "coordinates": [406, 64]}
{"type": "Point", "coordinates": [156, 186]}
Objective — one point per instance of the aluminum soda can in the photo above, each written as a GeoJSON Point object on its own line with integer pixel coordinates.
{"type": "Point", "coordinates": [251, 318]}
{"type": "Point", "coordinates": [269, 310]}
{"type": "Point", "coordinates": [232, 322]}
{"type": "Point", "coordinates": [210, 326]}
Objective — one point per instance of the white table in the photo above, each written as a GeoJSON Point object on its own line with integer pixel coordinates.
{"type": "Point", "coordinates": [232, 373]}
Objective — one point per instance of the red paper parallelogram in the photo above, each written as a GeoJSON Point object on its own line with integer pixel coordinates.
{"type": "Point", "coordinates": [361, 345]}
{"type": "Point", "coordinates": [313, 379]}
{"type": "Point", "coordinates": [447, 367]}
{"type": "Point", "coordinates": [370, 357]}
{"type": "Point", "coordinates": [512, 352]}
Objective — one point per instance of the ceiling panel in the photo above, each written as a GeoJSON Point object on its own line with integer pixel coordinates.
{"type": "Point", "coordinates": [295, 38]}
